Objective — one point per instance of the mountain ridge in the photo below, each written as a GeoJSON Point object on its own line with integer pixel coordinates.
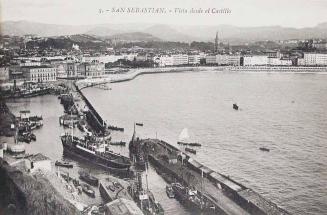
{"type": "Point", "coordinates": [167, 32]}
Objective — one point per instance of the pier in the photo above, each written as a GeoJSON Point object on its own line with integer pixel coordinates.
{"type": "Point", "coordinates": [92, 116]}
{"type": "Point", "coordinates": [228, 195]}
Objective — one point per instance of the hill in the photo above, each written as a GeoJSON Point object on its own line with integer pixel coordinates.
{"type": "Point", "coordinates": [232, 34]}
{"type": "Point", "coordinates": [134, 37]}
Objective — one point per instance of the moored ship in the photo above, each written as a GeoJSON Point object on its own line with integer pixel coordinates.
{"type": "Point", "coordinates": [137, 152]}
{"type": "Point", "coordinates": [95, 152]}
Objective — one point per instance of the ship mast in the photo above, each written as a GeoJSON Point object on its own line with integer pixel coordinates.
{"type": "Point", "coordinates": [72, 123]}
{"type": "Point", "coordinates": [201, 188]}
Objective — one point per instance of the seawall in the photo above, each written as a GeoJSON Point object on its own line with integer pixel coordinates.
{"type": "Point", "coordinates": [92, 116]}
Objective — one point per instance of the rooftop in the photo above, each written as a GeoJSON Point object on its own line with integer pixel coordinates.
{"type": "Point", "coordinates": [39, 157]}
{"type": "Point", "coordinates": [37, 67]}
{"type": "Point", "coordinates": [123, 207]}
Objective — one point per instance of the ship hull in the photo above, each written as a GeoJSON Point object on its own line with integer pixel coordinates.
{"type": "Point", "coordinates": [112, 166]}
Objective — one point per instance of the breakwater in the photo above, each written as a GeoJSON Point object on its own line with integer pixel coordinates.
{"type": "Point", "coordinates": [228, 195]}
{"type": "Point", "coordinates": [116, 78]}
{"type": "Point", "coordinates": [133, 74]}
{"type": "Point", "coordinates": [92, 116]}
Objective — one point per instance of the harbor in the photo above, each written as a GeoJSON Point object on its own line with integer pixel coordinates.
{"type": "Point", "coordinates": [163, 108]}
{"type": "Point", "coordinates": [218, 193]}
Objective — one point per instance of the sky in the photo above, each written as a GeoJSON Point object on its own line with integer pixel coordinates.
{"type": "Point", "coordinates": [244, 13]}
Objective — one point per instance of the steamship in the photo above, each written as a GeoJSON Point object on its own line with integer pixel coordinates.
{"type": "Point", "coordinates": [96, 153]}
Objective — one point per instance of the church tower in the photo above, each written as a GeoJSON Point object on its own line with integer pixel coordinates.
{"type": "Point", "coordinates": [216, 43]}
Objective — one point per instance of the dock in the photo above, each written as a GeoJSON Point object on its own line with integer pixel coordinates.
{"type": "Point", "coordinates": [228, 195]}
{"type": "Point", "coordinates": [92, 116]}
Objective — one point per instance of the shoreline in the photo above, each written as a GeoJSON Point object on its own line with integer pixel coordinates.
{"type": "Point", "coordinates": [134, 73]}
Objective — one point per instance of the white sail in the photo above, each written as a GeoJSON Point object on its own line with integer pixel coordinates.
{"type": "Point", "coordinates": [184, 136]}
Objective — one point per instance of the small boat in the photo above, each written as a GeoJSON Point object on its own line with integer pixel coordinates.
{"type": "Point", "coordinates": [32, 136]}
{"type": "Point", "coordinates": [64, 164]}
{"type": "Point", "coordinates": [25, 137]}
{"type": "Point", "coordinates": [182, 143]}
{"type": "Point", "coordinates": [184, 139]}
{"type": "Point", "coordinates": [194, 144]}
{"type": "Point", "coordinates": [264, 149]}
{"type": "Point", "coordinates": [115, 128]}
{"type": "Point", "coordinates": [139, 124]}
{"type": "Point", "coordinates": [170, 191]}
{"type": "Point", "coordinates": [190, 150]}
{"type": "Point", "coordinates": [88, 178]}
{"type": "Point", "coordinates": [88, 190]}
{"type": "Point", "coordinates": [120, 143]}
{"type": "Point", "coordinates": [235, 106]}
{"type": "Point", "coordinates": [20, 156]}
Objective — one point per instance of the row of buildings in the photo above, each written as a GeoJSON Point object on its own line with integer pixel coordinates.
{"type": "Point", "coordinates": [267, 59]}
{"type": "Point", "coordinates": [45, 69]}
{"type": "Point", "coordinates": [38, 72]}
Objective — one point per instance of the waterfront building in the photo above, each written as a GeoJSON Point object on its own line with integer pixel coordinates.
{"type": "Point", "coordinates": [41, 73]}
{"type": "Point", "coordinates": [315, 59]}
{"type": "Point", "coordinates": [71, 69]}
{"type": "Point", "coordinates": [194, 59]}
{"type": "Point", "coordinates": [231, 60]}
{"type": "Point", "coordinates": [234, 60]}
{"type": "Point", "coordinates": [164, 60]}
{"type": "Point", "coordinates": [16, 73]}
{"type": "Point", "coordinates": [300, 62]}
{"type": "Point", "coordinates": [222, 59]}
{"type": "Point", "coordinates": [180, 59]}
{"type": "Point", "coordinates": [255, 60]}
{"type": "Point", "coordinates": [272, 61]}
{"type": "Point", "coordinates": [272, 54]}
{"type": "Point", "coordinates": [91, 69]}
{"type": "Point", "coordinates": [211, 59]}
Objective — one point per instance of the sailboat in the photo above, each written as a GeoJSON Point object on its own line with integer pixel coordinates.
{"type": "Point", "coordinates": [184, 137]}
